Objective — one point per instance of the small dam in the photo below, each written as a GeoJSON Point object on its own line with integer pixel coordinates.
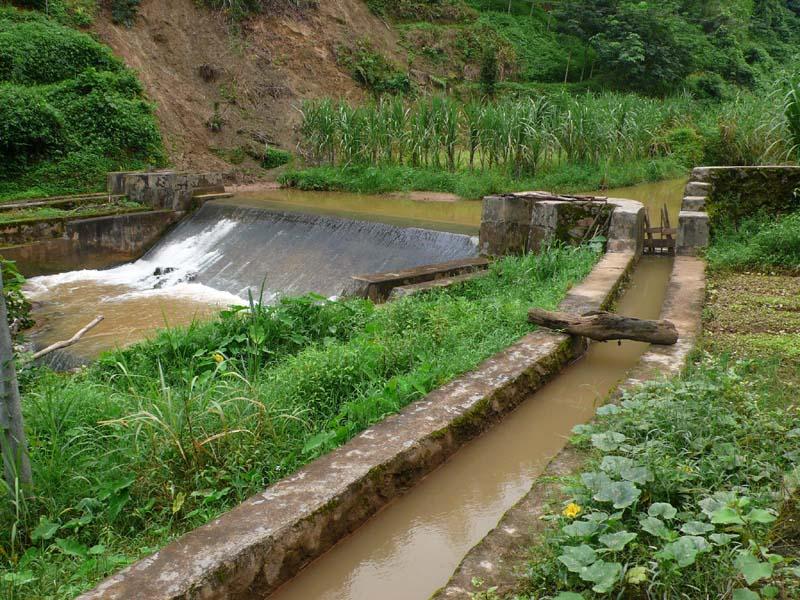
{"type": "Point", "coordinates": [221, 255]}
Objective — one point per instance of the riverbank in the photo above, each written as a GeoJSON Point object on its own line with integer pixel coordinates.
{"type": "Point", "coordinates": [473, 185]}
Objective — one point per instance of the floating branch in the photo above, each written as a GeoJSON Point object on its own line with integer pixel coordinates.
{"type": "Point", "coordinates": [73, 340]}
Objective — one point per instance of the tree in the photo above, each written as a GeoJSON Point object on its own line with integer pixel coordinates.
{"type": "Point", "coordinates": [642, 45]}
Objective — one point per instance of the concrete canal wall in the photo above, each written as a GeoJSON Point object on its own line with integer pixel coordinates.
{"type": "Point", "coordinates": [250, 551]}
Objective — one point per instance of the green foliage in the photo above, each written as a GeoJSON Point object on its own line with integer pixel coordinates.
{"type": "Point", "coordinates": [706, 86]}
{"type": "Point", "coordinates": [19, 309]}
{"type": "Point", "coordinates": [163, 437]}
{"type": "Point", "coordinates": [29, 127]}
{"type": "Point", "coordinates": [654, 47]}
{"type": "Point", "coordinates": [489, 71]}
{"type": "Point", "coordinates": [763, 243]}
{"type": "Point", "coordinates": [69, 110]}
{"type": "Point", "coordinates": [541, 54]}
{"type": "Point", "coordinates": [124, 11]}
{"type": "Point", "coordinates": [275, 157]}
{"type": "Point", "coordinates": [373, 70]}
{"type": "Point", "coordinates": [36, 52]}
{"type": "Point", "coordinates": [686, 145]}
{"type": "Point", "coordinates": [476, 184]}
{"type": "Point", "coordinates": [792, 110]}
{"type": "Point", "coordinates": [520, 137]}
{"type": "Point", "coordinates": [680, 492]}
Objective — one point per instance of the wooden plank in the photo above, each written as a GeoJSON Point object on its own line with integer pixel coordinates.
{"type": "Point", "coordinates": [378, 286]}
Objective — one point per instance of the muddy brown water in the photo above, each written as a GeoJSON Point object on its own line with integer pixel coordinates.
{"type": "Point", "coordinates": [66, 302]}
{"type": "Point", "coordinates": [410, 549]}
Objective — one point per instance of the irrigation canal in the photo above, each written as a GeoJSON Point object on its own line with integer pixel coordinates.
{"type": "Point", "coordinates": [410, 549]}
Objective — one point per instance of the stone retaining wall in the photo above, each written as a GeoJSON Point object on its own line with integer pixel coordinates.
{"type": "Point", "coordinates": [164, 190]}
{"type": "Point", "coordinates": [525, 222]}
{"type": "Point", "coordinates": [95, 243]}
{"type": "Point", "coordinates": [732, 193]}
{"type": "Point", "coordinates": [250, 551]}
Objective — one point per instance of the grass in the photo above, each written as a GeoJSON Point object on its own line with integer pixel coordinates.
{"type": "Point", "coordinates": [155, 440]}
{"type": "Point", "coordinates": [477, 184]}
{"type": "Point", "coordinates": [82, 211]}
{"type": "Point", "coordinates": [760, 243]}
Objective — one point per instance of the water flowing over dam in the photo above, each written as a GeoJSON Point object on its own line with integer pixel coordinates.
{"type": "Point", "coordinates": [221, 255]}
{"type": "Point", "coordinates": [294, 253]}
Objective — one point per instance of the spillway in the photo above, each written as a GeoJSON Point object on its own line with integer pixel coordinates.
{"type": "Point", "coordinates": [218, 257]}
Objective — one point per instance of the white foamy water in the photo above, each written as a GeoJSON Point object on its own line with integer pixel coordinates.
{"type": "Point", "coordinates": [167, 272]}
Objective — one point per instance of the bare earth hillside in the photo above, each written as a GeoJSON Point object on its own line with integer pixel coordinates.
{"type": "Point", "coordinates": [189, 61]}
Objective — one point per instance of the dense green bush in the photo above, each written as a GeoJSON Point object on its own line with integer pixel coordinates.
{"type": "Point", "coordinates": [373, 70]}
{"type": "Point", "coordinates": [45, 52]}
{"type": "Point", "coordinates": [686, 145]}
{"type": "Point", "coordinates": [69, 110]}
{"type": "Point", "coordinates": [275, 157]}
{"type": "Point", "coordinates": [30, 128]}
{"type": "Point", "coordinates": [18, 307]}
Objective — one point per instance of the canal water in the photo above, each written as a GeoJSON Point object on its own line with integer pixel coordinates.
{"type": "Point", "coordinates": [410, 548]}
{"type": "Point", "coordinates": [275, 242]}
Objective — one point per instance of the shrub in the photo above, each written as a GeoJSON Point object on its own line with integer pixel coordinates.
{"type": "Point", "coordinates": [373, 70]}
{"type": "Point", "coordinates": [45, 52]}
{"type": "Point", "coordinates": [106, 111]}
{"type": "Point", "coordinates": [124, 11]}
{"type": "Point", "coordinates": [19, 309]}
{"type": "Point", "coordinates": [274, 157]}
{"type": "Point", "coordinates": [707, 86]}
{"type": "Point", "coordinates": [30, 128]}
{"type": "Point", "coordinates": [762, 242]}
{"type": "Point", "coordinates": [685, 145]}
{"type": "Point", "coordinates": [489, 71]}
{"type": "Point", "coordinates": [69, 110]}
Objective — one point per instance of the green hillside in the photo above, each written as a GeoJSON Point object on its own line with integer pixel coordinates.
{"type": "Point", "coordinates": [69, 110]}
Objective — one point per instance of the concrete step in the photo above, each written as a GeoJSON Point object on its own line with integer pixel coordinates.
{"type": "Point", "coordinates": [698, 188]}
{"type": "Point", "coordinates": [694, 203]}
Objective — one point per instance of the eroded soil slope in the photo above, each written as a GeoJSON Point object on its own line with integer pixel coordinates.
{"type": "Point", "coordinates": [189, 61]}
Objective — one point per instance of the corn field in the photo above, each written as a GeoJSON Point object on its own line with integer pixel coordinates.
{"type": "Point", "coordinates": [518, 135]}
{"type": "Point", "coordinates": [523, 136]}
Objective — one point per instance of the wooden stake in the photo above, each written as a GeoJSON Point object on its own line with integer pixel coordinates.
{"type": "Point", "coordinates": [13, 445]}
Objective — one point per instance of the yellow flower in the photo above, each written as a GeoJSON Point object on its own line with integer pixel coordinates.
{"type": "Point", "coordinates": [572, 510]}
{"type": "Point", "coordinates": [218, 357]}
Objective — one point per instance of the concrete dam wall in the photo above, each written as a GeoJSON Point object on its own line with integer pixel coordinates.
{"type": "Point", "coordinates": [217, 257]}
{"type": "Point", "coordinates": [294, 253]}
